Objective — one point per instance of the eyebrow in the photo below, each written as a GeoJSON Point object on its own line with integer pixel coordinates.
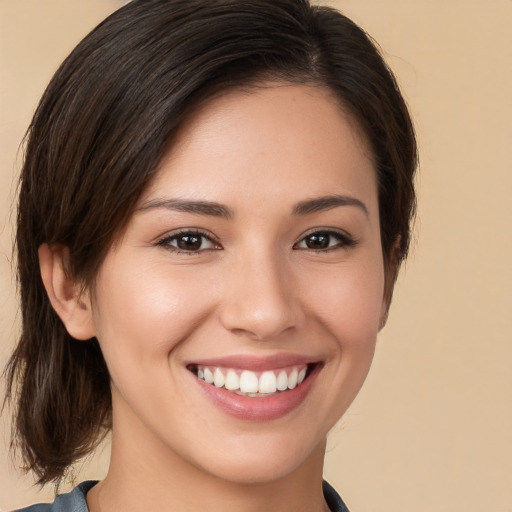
{"type": "Point", "coordinates": [214, 209]}
{"type": "Point", "coordinates": [329, 202]}
{"type": "Point", "coordinates": [190, 206]}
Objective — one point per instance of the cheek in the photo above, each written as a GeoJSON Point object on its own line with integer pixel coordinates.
{"type": "Point", "coordinates": [144, 312]}
{"type": "Point", "coordinates": [349, 302]}
{"type": "Point", "coordinates": [346, 300]}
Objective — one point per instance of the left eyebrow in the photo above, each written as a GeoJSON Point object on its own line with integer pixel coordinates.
{"type": "Point", "coordinates": [189, 206]}
{"type": "Point", "coordinates": [319, 204]}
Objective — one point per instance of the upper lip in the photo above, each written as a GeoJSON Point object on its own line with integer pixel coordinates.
{"type": "Point", "coordinates": [255, 363]}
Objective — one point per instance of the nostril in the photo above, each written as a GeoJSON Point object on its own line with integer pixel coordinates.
{"type": "Point", "coordinates": [261, 307]}
{"type": "Point", "coordinates": [258, 326]}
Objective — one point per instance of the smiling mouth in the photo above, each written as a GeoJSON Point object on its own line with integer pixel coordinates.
{"type": "Point", "coordinates": [253, 384]}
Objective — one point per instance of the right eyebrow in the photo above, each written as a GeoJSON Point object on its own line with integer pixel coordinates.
{"type": "Point", "coordinates": [319, 204]}
{"type": "Point", "coordinates": [197, 207]}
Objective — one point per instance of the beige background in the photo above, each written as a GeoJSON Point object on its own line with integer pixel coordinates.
{"type": "Point", "coordinates": [432, 428]}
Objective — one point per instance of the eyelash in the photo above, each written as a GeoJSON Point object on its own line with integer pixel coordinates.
{"type": "Point", "coordinates": [201, 235]}
{"type": "Point", "coordinates": [344, 241]}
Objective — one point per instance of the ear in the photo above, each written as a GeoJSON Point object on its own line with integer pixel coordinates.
{"type": "Point", "coordinates": [65, 293]}
{"type": "Point", "coordinates": [391, 271]}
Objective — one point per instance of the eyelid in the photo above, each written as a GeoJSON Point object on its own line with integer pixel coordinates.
{"type": "Point", "coordinates": [164, 241]}
{"type": "Point", "coordinates": [346, 239]}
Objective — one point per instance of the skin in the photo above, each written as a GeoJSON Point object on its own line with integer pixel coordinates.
{"type": "Point", "coordinates": [257, 289]}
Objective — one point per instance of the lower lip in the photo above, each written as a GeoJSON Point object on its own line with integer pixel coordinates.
{"type": "Point", "coordinates": [258, 408]}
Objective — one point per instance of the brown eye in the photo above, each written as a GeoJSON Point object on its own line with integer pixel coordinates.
{"type": "Point", "coordinates": [324, 241]}
{"type": "Point", "coordinates": [188, 242]}
{"type": "Point", "coordinates": [317, 241]}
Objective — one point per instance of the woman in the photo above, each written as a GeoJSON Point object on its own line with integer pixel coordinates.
{"type": "Point", "coordinates": [215, 201]}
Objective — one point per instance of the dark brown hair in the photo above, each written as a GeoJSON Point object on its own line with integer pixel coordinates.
{"type": "Point", "coordinates": [100, 130]}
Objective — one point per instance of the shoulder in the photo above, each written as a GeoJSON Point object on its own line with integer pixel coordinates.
{"type": "Point", "coordinates": [333, 499]}
{"type": "Point", "coordinates": [73, 501]}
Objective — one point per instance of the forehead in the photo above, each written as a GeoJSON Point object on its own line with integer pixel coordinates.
{"type": "Point", "coordinates": [259, 142]}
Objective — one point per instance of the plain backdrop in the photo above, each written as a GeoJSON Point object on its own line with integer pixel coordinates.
{"type": "Point", "coordinates": [432, 427]}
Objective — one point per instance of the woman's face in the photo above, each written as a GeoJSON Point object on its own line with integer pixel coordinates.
{"type": "Point", "coordinates": [253, 260]}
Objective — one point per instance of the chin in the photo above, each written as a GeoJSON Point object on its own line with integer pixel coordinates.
{"type": "Point", "coordinates": [265, 462]}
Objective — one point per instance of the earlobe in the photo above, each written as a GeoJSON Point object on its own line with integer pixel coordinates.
{"type": "Point", "coordinates": [64, 292]}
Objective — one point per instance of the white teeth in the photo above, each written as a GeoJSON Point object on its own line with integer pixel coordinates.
{"type": "Point", "coordinates": [292, 379]}
{"type": "Point", "coordinates": [232, 381]}
{"type": "Point", "coordinates": [282, 381]}
{"type": "Point", "coordinates": [248, 382]}
{"type": "Point", "coordinates": [268, 383]}
{"type": "Point", "coordinates": [218, 378]}
{"type": "Point", "coordinates": [208, 376]}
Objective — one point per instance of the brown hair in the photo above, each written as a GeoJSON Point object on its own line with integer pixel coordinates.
{"type": "Point", "coordinates": [96, 138]}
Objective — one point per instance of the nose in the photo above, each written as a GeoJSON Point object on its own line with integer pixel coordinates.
{"type": "Point", "coordinates": [261, 300]}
